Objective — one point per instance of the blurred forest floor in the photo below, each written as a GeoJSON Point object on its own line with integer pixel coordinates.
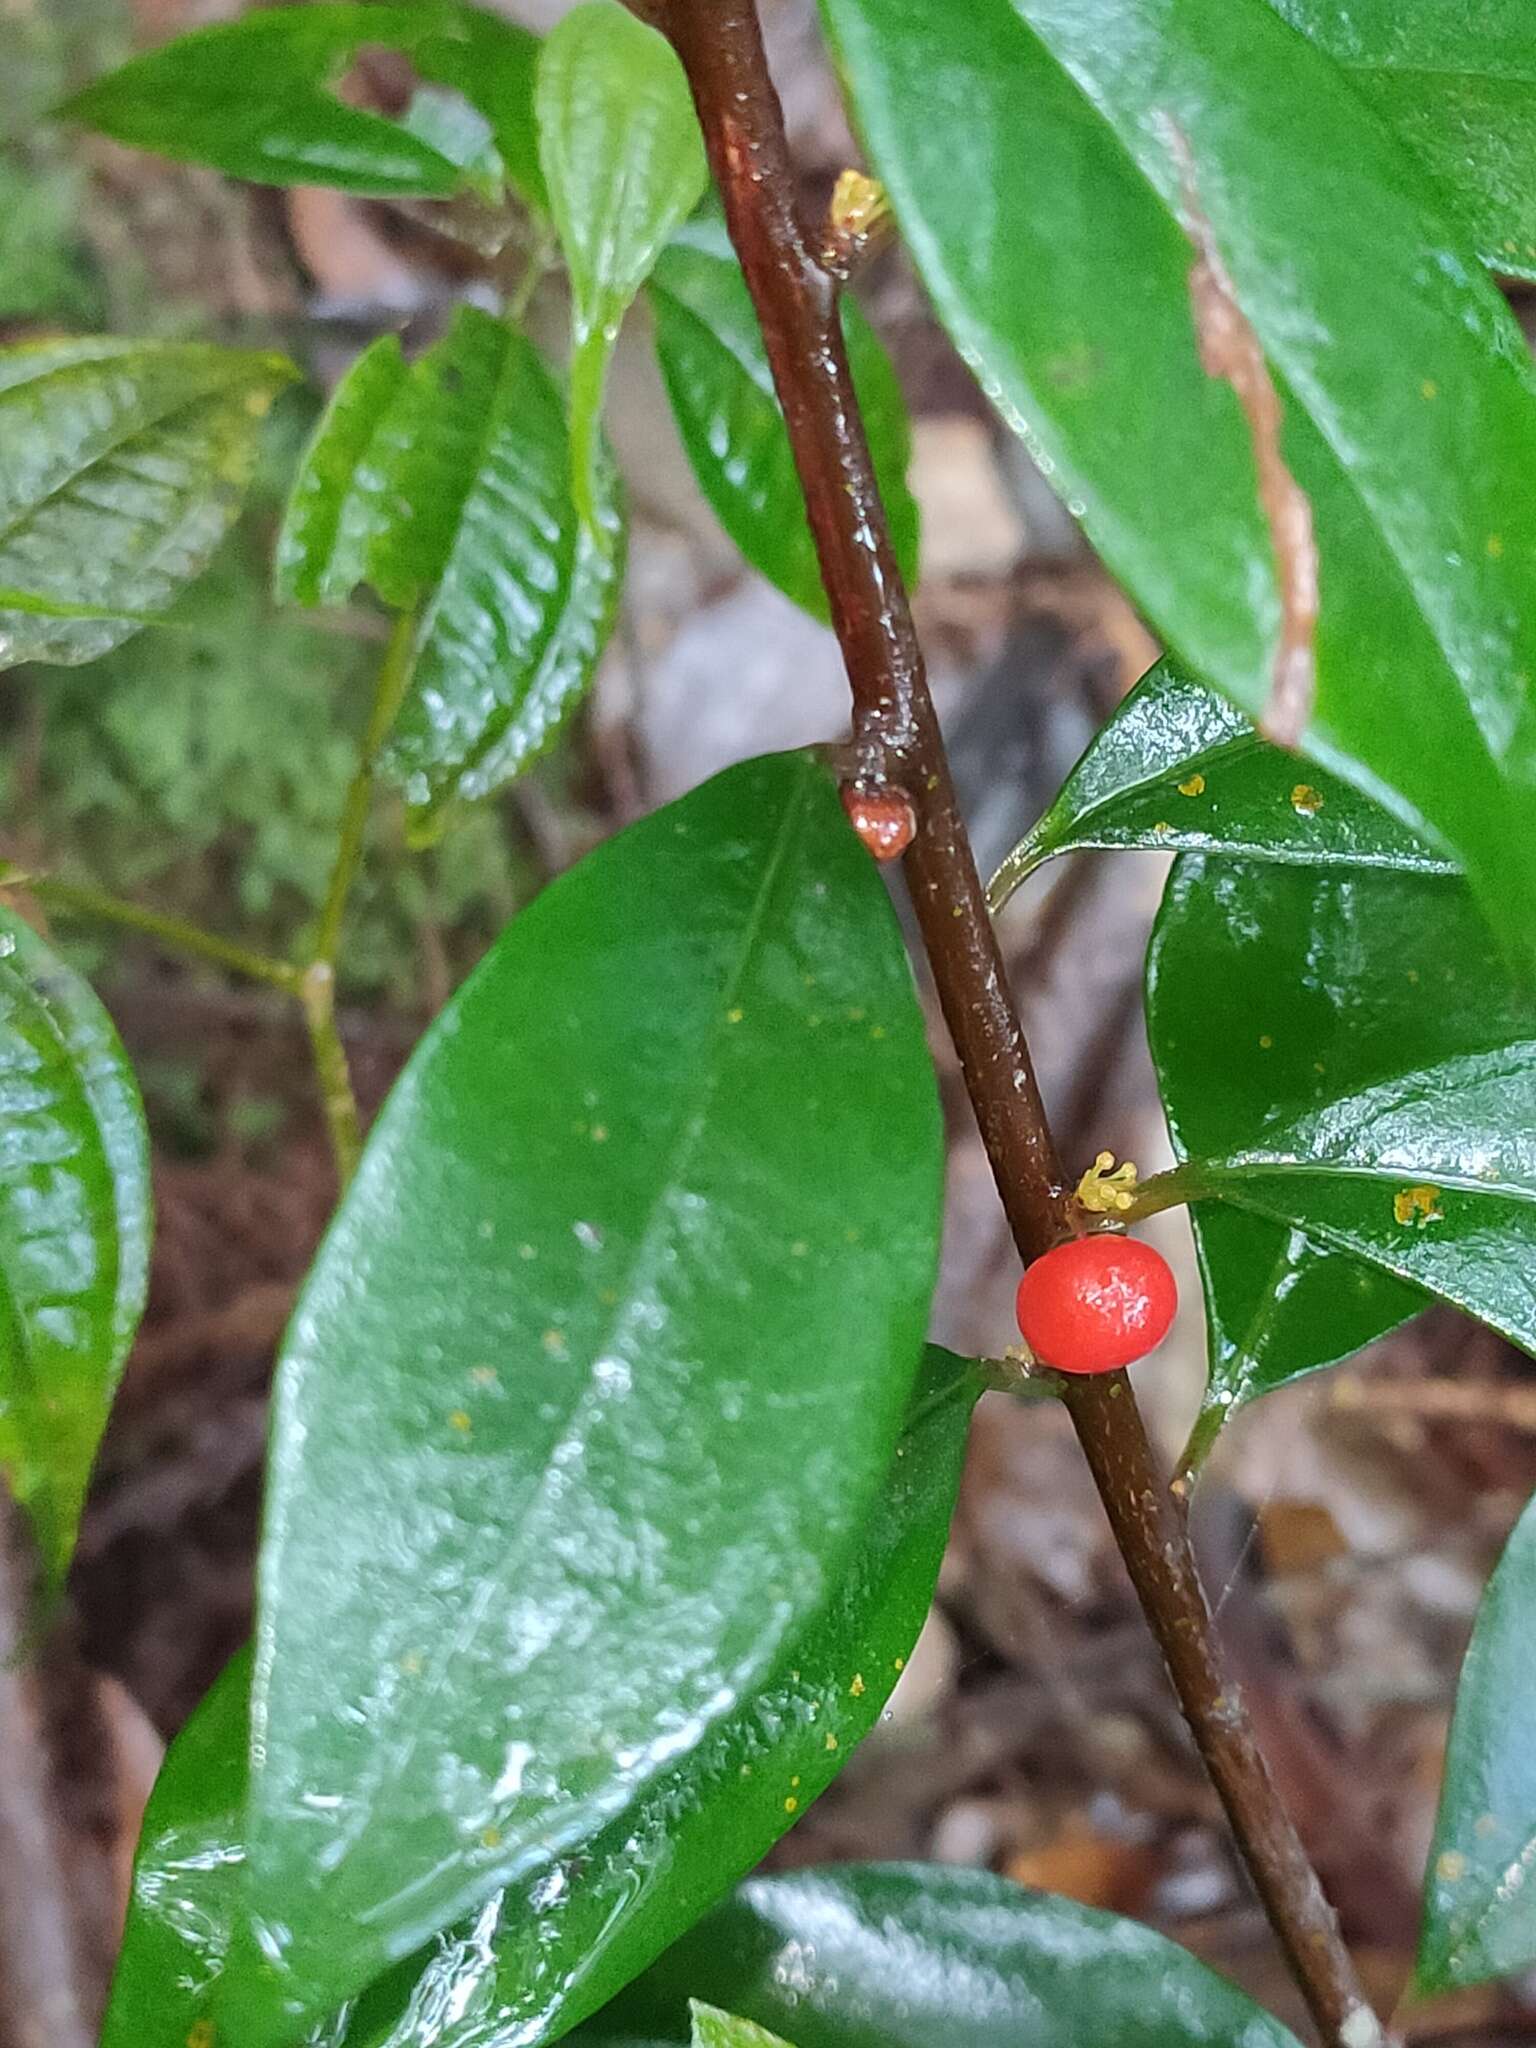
{"type": "Point", "coordinates": [1347, 1524]}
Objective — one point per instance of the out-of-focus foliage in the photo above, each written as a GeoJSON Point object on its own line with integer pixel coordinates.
{"type": "Point", "coordinates": [203, 768]}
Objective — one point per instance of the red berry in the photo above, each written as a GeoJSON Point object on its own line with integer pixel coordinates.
{"type": "Point", "coordinates": [1097, 1303]}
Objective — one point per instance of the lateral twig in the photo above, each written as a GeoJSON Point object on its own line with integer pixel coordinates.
{"type": "Point", "coordinates": [898, 757]}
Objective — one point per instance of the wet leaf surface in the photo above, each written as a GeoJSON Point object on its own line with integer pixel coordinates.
{"type": "Point", "coordinates": [623, 162]}
{"type": "Point", "coordinates": [1409, 416]}
{"type": "Point", "coordinates": [1177, 769]}
{"type": "Point", "coordinates": [559, 1464]}
{"type": "Point", "coordinates": [126, 462]}
{"type": "Point", "coordinates": [553, 1949]}
{"type": "Point", "coordinates": [1345, 1056]}
{"type": "Point", "coordinates": [906, 1955]}
{"type": "Point", "coordinates": [445, 484]}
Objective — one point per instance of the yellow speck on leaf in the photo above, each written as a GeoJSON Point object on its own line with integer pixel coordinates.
{"type": "Point", "coordinates": [599, 1134]}
{"type": "Point", "coordinates": [1306, 801]}
{"type": "Point", "coordinates": [1193, 785]}
{"type": "Point", "coordinates": [857, 1687]}
{"type": "Point", "coordinates": [1429, 388]}
{"type": "Point", "coordinates": [1417, 1205]}
{"type": "Point", "coordinates": [1450, 1866]}
{"type": "Point", "coordinates": [1161, 827]}
{"type": "Point", "coordinates": [491, 1837]}
{"type": "Point", "coordinates": [791, 1803]}
{"type": "Point", "coordinates": [457, 1419]}
{"type": "Point", "coordinates": [734, 1016]}
{"type": "Point", "coordinates": [1266, 1043]}
{"type": "Point", "coordinates": [200, 2034]}
{"type": "Point", "coordinates": [877, 1031]}
{"type": "Point", "coordinates": [831, 1740]}
{"type": "Point", "coordinates": [1495, 545]}
{"type": "Point", "coordinates": [553, 1343]}
{"type": "Point", "coordinates": [795, 1780]}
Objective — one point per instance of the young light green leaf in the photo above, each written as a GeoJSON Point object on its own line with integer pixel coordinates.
{"type": "Point", "coordinates": [908, 1955]}
{"type": "Point", "coordinates": [1344, 1055]}
{"type": "Point", "coordinates": [321, 554]}
{"type": "Point", "coordinates": [445, 485]}
{"type": "Point", "coordinates": [1179, 769]}
{"type": "Point", "coordinates": [1409, 415]}
{"type": "Point", "coordinates": [125, 464]}
{"type": "Point", "coordinates": [559, 1463]}
{"type": "Point", "coordinates": [1455, 84]}
{"type": "Point", "coordinates": [253, 98]}
{"type": "Point", "coordinates": [624, 165]}
{"type": "Point", "coordinates": [74, 1230]}
{"type": "Point", "coordinates": [1479, 1911]}
{"type": "Point", "coordinates": [559, 1944]}
{"type": "Point", "coordinates": [713, 2028]}
{"type": "Point", "coordinates": [721, 389]}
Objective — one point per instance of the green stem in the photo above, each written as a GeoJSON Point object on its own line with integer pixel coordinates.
{"type": "Point", "coordinates": [539, 260]}
{"type": "Point", "coordinates": [317, 982]}
{"type": "Point", "coordinates": [338, 1099]}
{"type": "Point", "coordinates": [173, 932]}
{"type": "Point", "coordinates": [1175, 1189]}
{"type": "Point", "coordinates": [1015, 871]}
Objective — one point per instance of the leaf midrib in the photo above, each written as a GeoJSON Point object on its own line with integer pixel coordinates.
{"type": "Point", "coordinates": [215, 390]}
{"type": "Point", "coordinates": [511, 1540]}
{"type": "Point", "coordinates": [67, 1066]}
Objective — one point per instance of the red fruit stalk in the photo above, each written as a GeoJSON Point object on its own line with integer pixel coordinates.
{"type": "Point", "coordinates": [1097, 1304]}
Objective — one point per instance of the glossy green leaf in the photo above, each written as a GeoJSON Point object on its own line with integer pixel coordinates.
{"type": "Point", "coordinates": [74, 1230]}
{"type": "Point", "coordinates": [125, 462]}
{"type": "Point", "coordinates": [1343, 1054]}
{"type": "Point", "coordinates": [1479, 1910]}
{"type": "Point", "coordinates": [1410, 419]}
{"type": "Point", "coordinates": [597, 1373]}
{"type": "Point", "coordinates": [1455, 82]}
{"type": "Point", "coordinates": [551, 1949]}
{"type": "Point", "coordinates": [445, 485]}
{"type": "Point", "coordinates": [253, 98]}
{"type": "Point", "coordinates": [624, 165]}
{"type": "Point", "coordinates": [907, 1956]}
{"type": "Point", "coordinates": [1179, 769]}
{"type": "Point", "coordinates": [721, 389]}
{"type": "Point", "coordinates": [713, 2028]}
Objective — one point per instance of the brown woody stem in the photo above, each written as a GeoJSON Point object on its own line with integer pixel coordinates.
{"type": "Point", "coordinates": [897, 750]}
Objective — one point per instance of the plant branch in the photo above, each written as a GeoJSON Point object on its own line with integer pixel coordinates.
{"type": "Point", "coordinates": [175, 933]}
{"type": "Point", "coordinates": [317, 982]}
{"type": "Point", "coordinates": [898, 754]}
